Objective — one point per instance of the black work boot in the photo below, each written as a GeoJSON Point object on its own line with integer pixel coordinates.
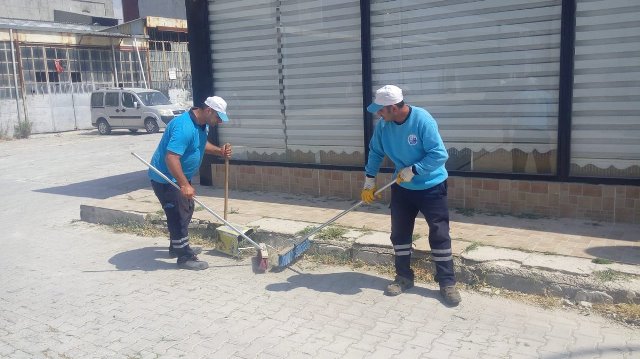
{"type": "Point", "coordinates": [173, 254]}
{"type": "Point", "coordinates": [193, 263]}
{"type": "Point", "coordinates": [450, 295]}
{"type": "Point", "coordinates": [398, 286]}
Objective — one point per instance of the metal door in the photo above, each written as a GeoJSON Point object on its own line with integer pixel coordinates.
{"type": "Point", "coordinates": [112, 108]}
{"type": "Point", "coordinates": [130, 111]}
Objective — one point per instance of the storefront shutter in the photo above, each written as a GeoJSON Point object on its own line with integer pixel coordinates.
{"type": "Point", "coordinates": [322, 72]}
{"type": "Point", "coordinates": [291, 73]}
{"type": "Point", "coordinates": [245, 73]}
{"type": "Point", "coordinates": [606, 97]}
{"type": "Point", "coordinates": [488, 71]}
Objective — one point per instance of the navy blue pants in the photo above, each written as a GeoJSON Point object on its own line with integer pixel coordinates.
{"type": "Point", "coordinates": [432, 203]}
{"type": "Point", "coordinates": [179, 210]}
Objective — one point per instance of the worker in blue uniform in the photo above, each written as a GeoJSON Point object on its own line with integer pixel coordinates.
{"type": "Point", "coordinates": [178, 156]}
{"type": "Point", "coordinates": [409, 136]}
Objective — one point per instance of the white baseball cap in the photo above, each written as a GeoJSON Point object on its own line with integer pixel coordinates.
{"type": "Point", "coordinates": [219, 105]}
{"type": "Point", "coordinates": [385, 96]}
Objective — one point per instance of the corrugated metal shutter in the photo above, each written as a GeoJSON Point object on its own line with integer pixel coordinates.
{"type": "Point", "coordinates": [606, 103]}
{"type": "Point", "coordinates": [245, 73]}
{"type": "Point", "coordinates": [322, 72]}
{"type": "Point", "coordinates": [487, 70]}
{"type": "Point", "coordinates": [291, 73]}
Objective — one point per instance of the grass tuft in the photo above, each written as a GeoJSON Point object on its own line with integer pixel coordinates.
{"type": "Point", "coordinates": [472, 247]}
{"type": "Point", "coordinates": [609, 275]}
{"type": "Point", "coordinates": [601, 261]}
{"type": "Point", "coordinates": [331, 233]}
{"type": "Point", "coordinates": [22, 129]}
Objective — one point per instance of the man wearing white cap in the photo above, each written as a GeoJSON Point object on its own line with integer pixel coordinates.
{"type": "Point", "coordinates": [409, 136]}
{"type": "Point", "coordinates": [178, 156]}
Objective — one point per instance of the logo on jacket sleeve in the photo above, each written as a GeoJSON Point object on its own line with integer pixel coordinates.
{"type": "Point", "coordinates": [412, 139]}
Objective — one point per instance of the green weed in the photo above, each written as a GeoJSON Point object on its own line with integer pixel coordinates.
{"type": "Point", "coordinates": [331, 233]}
{"type": "Point", "coordinates": [601, 261]}
{"type": "Point", "coordinates": [609, 275]}
{"type": "Point", "coordinates": [473, 246]}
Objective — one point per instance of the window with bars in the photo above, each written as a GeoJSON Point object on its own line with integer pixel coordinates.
{"type": "Point", "coordinates": [75, 69]}
{"type": "Point", "coordinates": [34, 69]}
{"type": "Point", "coordinates": [7, 83]}
{"type": "Point", "coordinates": [170, 67]}
{"type": "Point", "coordinates": [129, 72]}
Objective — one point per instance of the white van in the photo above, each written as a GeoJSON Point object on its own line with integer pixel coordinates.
{"type": "Point", "coordinates": [132, 109]}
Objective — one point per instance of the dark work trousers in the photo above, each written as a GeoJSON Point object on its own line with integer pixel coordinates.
{"type": "Point", "coordinates": [179, 210]}
{"type": "Point", "coordinates": [432, 203]}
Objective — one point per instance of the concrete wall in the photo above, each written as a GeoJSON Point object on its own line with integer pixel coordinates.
{"type": "Point", "coordinates": [49, 113]}
{"type": "Point", "coordinates": [8, 117]}
{"type": "Point", "coordinates": [43, 9]}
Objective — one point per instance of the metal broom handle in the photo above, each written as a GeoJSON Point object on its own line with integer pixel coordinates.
{"type": "Point", "coordinates": [345, 212]}
{"type": "Point", "coordinates": [198, 202]}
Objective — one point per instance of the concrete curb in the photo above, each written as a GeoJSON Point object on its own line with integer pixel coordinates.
{"type": "Point", "coordinates": [527, 272]}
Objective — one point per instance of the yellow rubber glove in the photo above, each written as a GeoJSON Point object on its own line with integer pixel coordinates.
{"type": "Point", "coordinates": [405, 175]}
{"type": "Point", "coordinates": [368, 194]}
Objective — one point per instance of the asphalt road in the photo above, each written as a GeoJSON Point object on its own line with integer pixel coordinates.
{"type": "Point", "coordinates": [74, 290]}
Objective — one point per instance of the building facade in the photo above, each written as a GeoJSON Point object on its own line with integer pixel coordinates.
{"type": "Point", "coordinates": [48, 71]}
{"type": "Point", "coordinates": [537, 101]}
{"type": "Point", "coordinates": [53, 54]}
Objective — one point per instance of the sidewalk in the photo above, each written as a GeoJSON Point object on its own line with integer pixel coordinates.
{"type": "Point", "coordinates": [536, 255]}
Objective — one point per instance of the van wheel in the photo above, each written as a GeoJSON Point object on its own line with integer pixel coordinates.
{"type": "Point", "coordinates": [151, 125]}
{"type": "Point", "coordinates": [103, 127]}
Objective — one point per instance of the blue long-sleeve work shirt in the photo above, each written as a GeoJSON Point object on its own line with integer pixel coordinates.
{"type": "Point", "coordinates": [416, 142]}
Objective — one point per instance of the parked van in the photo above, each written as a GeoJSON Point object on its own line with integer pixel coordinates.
{"type": "Point", "coordinates": [132, 109]}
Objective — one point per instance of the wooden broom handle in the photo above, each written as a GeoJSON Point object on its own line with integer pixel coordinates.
{"type": "Point", "coordinates": [226, 187]}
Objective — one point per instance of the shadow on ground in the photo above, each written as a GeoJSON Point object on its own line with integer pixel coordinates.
{"type": "Point", "coordinates": [348, 283]}
{"type": "Point", "coordinates": [624, 254]}
{"type": "Point", "coordinates": [144, 259]}
{"type": "Point", "coordinates": [104, 187]}
{"type": "Point", "coordinates": [601, 352]}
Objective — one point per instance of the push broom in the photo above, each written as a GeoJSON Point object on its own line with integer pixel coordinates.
{"type": "Point", "coordinates": [286, 257]}
{"type": "Point", "coordinates": [262, 259]}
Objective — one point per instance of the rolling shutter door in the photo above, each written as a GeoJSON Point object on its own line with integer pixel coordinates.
{"type": "Point", "coordinates": [245, 73]}
{"type": "Point", "coordinates": [322, 72]}
{"type": "Point", "coordinates": [606, 95]}
{"type": "Point", "coordinates": [488, 71]}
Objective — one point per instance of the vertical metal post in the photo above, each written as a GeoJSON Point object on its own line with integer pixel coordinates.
{"type": "Point", "coordinates": [50, 92]}
{"type": "Point", "coordinates": [144, 78]}
{"type": "Point", "coordinates": [73, 99]}
{"type": "Point", "coordinates": [18, 63]}
{"type": "Point", "coordinates": [367, 93]}
{"type": "Point", "coordinates": [565, 97]}
{"type": "Point", "coordinates": [201, 69]}
{"type": "Point", "coordinates": [115, 65]}
{"type": "Point", "coordinates": [15, 76]}
{"type": "Point", "coordinates": [149, 65]}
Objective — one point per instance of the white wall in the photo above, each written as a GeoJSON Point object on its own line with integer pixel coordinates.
{"type": "Point", "coordinates": [8, 116]}
{"type": "Point", "coordinates": [48, 113]}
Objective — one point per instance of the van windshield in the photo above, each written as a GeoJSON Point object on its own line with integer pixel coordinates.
{"type": "Point", "coordinates": [153, 98]}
